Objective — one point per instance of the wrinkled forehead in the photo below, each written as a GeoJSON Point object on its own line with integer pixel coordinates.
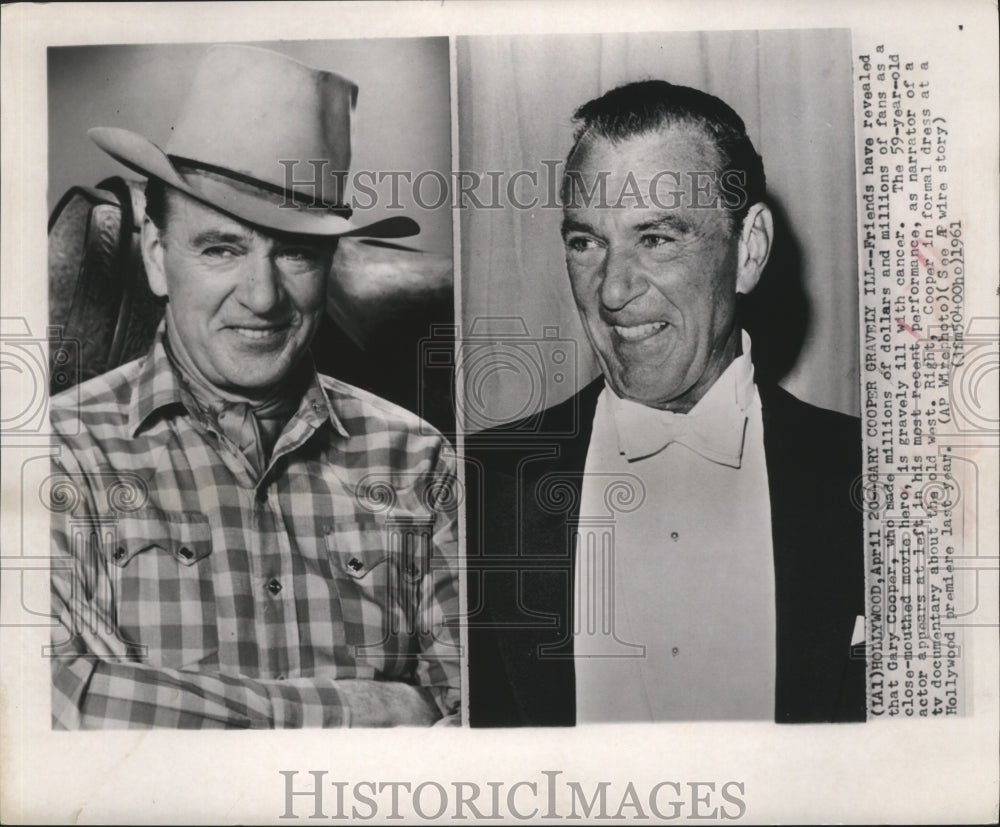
{"type": "Point", "coordinates": [186, 211]}
{"type": "Point", "coordinates": [674, 166]}
{"type": "Point", "coordinates": [192, 218]}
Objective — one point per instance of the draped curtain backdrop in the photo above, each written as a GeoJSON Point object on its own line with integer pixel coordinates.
{"type": "Point", "coordinates": [793, 89]}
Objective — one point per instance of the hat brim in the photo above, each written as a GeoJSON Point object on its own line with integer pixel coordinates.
{"type": "Point", "coordinates": [143, 156]}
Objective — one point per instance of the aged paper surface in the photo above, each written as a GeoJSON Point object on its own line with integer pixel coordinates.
{"type": "Point", "coordinates": [924, 106]}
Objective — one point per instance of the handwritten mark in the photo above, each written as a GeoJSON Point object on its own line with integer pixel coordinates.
{"type": "Point", "coordinates": [904, 326]}
{"type": "Point", "coordinates": [920, 255]}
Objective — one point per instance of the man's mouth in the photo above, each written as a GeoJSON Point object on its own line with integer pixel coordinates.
{"type": "Point", "coordinates": [638, 332]}
{"type": "Point", "coordinates": [258, 333]}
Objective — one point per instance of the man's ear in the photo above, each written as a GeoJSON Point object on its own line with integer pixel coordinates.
{"type": "Point", "coordinates": [152, 256]}
{"type": "Point", "coordinates": [756, 236]}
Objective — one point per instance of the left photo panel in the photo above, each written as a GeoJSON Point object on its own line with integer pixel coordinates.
{"type": "Point", "coordinates": [252, 488]}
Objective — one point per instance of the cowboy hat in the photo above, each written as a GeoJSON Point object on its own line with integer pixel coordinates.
{"type": "Point", "coordinates": [263, 138]}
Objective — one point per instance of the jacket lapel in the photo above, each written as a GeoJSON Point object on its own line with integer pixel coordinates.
{"type": "Point", "coordinates": [539, 658]}
{"type": "Point", "coordinates": [819, 570]}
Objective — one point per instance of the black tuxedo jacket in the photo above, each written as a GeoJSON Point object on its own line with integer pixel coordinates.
{"type": "Point", "coordinates": [523, 493]}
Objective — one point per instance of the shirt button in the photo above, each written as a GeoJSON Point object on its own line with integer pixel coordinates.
{"type": "Point", "coordinates": [119, 553]}
{"type": "Point", "coordinates": [273, 586]}
{"type": "Point", "coordinates": [674, 536]}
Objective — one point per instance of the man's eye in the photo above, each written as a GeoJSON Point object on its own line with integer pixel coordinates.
{"type": "Point", "coordinates": [301, 256]}
{"type": "Point", "coordinates": [652, 241]}
{"type": "Point", "coordinates": [580, 243]}
{"type": "Point", "coordinates": [218, 252]}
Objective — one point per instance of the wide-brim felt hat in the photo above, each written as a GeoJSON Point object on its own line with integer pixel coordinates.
{"type": "Point", "coordinates": [263, 138]}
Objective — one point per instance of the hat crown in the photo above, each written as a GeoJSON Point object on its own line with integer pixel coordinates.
{"type": "Point", "coordinates": [249, 109]}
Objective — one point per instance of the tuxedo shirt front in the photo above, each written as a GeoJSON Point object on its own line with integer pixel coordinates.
{"type": "Point", "coordinates": [674, 575]}
{"type": "Point", "coordinates": [523, 495]}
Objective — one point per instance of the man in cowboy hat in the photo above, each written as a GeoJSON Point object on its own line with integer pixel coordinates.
{"type": "Point", "coordinates": [246, 543]}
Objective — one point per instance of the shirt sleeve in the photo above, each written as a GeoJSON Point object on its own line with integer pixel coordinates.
{"type": "Point", "coordinates": [90, 693]}
{"type": "Point", "coordinates": [438, 666]}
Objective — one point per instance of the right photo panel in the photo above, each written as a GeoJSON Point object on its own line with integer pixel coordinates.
{"type": "Point", "coordinates": [659, 378]}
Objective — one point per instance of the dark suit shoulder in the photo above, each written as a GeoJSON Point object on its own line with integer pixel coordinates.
{"type": "Point", "coordinates": [786, 405]}
{"type": "Point", "coordinates": [813, 433]}
{"type": "Point", "coordinates": [562, 429]}
{"type": "Point", "coordinates": [556, 420]}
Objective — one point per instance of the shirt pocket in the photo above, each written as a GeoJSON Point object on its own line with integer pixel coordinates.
{"type": "Point", "coordinates": [379, 568]}
{"type": "Point", "coordinates": [164, 589]}
{"type": "Point", "coordinates": [185, 536]}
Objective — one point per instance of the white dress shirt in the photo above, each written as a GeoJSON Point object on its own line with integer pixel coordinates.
{"type": "Point", "coordinates": [675, 612]}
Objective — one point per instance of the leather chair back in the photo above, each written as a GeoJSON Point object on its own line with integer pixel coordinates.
{"type": "Point", "coordinates": [99, 297]}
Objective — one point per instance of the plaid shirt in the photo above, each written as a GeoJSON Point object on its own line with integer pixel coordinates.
{"type": "Point", "coordinates": [191, 591]}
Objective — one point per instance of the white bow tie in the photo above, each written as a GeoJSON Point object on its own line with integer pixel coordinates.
{"type": "Point", "coordinates": [715, 434]}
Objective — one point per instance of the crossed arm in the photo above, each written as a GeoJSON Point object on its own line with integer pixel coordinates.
{"type": "Point", "coordinates": [92, 693]}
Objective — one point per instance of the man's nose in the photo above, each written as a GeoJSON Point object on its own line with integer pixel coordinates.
{"type": "Point", "coordinates": [261, 289]}
{"type": "Point", "coordinates": [622, 279]}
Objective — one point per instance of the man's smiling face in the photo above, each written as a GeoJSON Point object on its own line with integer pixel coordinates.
{"type": "Point", "coordinates": [243, 304]}
{"type": "Point", "coordinates": [655, 283]}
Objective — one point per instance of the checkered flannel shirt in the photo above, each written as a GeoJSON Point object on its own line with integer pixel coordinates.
{"type": "Point", "coordinates": [190, 592]}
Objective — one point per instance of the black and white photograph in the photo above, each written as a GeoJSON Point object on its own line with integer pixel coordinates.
{"type": "Point", "coordinates": [501, 412]}
{"type": "Point", "coordinates": [251, 520]}
{"type": "Point", "coordinates": [684, 516]}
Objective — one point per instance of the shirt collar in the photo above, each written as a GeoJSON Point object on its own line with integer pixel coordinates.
{"type": "Point", "coordinates": [733, 387]}
{"type": "Point", "coordinates": [319, 400]}
{"type": "Point", "coordinates": [158, 387]}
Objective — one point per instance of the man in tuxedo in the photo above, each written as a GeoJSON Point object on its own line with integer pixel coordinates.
{"type": "Point", "coordinates": [676, 541]}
